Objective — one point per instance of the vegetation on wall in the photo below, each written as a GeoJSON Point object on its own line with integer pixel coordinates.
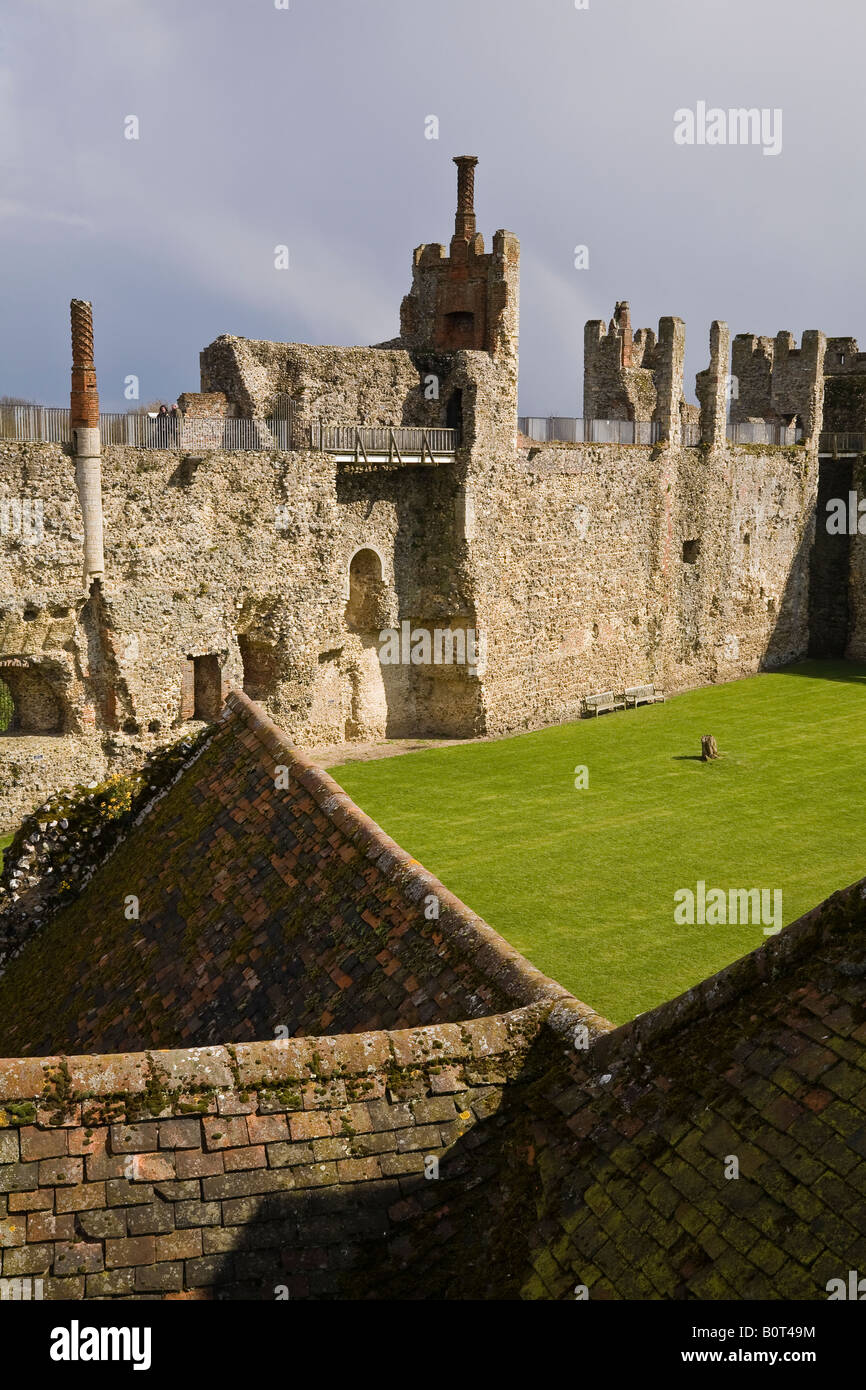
{"type": "Point", "coordinates": [56, 849]}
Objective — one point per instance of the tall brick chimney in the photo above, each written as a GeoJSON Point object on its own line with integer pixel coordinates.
{"type": "Point", "coordinates": [467, 300]}
{"type": "Point", "coordinates": [464, 221]}
{"type": "Point", "coordinates": [84, 396]}
{"type": "Point", "coordinates": [84, 424]}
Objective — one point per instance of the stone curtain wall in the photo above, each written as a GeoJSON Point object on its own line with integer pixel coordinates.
{"type": "Point", "coordinates": [332, 385]}
{"type": "Point", "coordinates": [570, 558]}
{"type": "Point", "coordinates": [583, 585]}
{"type": "Point", "coordinates": [300, 914]}
{"type": "Point", "coordinates": [200, 554]}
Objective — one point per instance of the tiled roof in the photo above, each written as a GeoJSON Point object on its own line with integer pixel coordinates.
{"type": "Point", "coordinates": [711, 1149]}
{"type": "Point", "coordinates": [265, 900]}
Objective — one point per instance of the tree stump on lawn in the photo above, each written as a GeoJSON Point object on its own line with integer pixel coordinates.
{"type": "Point", "coordinates": [708, 748]}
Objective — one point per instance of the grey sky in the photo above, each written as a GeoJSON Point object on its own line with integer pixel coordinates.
{"type": "Point", "coordinates": [306, 127]}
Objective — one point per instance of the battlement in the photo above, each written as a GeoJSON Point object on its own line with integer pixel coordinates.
{"type": "Point", "coordinates": [776, 381]}
{"type": "Point", "coordinates": [634, 377]}
{"type": "Point", "coordinates": [844, 387]}
{"type": "Point", "coordinates": [712, 386]}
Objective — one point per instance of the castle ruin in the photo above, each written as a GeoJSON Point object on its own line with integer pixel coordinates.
{"type": "Point", "coordinates": [303, 1068]}
{"type": "Point", "coordinates": [166, 576]}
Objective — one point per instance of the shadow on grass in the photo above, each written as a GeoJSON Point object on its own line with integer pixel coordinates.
{"type": "Point", "coordinates": [848, 672]}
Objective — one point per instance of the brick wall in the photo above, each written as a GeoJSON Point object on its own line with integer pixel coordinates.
{"type": "Point", "coordinates": [261, 1171]}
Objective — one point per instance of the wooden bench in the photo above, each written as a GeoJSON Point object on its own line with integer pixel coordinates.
{"type": "Point", "coordinates": [602, 702]}
{"type": "Point", "coordinates": [642, 695]}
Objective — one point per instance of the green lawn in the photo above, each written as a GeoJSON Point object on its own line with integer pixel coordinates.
{"type": "Point", "coordinates": [4, 841]}
{"type": "Point", "coordinates": [583, 881]}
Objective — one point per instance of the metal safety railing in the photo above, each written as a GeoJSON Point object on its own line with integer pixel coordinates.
{"type": "Point", "coordinates": [568, 429]}
{"type": "Point", "coordinates": [46, 423]}
{"type": "Point", "coordinates": [282, 432]}
{"type": "Point", "coordinates": [763, 432]}
{"type": "Point", "coordinates": [841, 443]}
{"type": "Point", "coordinates": [230, 433]}
{"type": "Point", "coordinates": [51, 425]}
{"type": "Point", "coordinates": [565, 429]}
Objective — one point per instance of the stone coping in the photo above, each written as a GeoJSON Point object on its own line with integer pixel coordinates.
{"type": "Point", "coordinates": [242, 1066]}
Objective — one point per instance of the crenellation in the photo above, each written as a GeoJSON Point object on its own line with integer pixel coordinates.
{"type": "Point", "coordinates": [778, 382]}
{"type": "Point", "coordinates": [634, 376]}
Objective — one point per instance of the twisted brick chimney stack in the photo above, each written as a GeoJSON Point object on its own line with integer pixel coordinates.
{"type": "Point", "coordinates": [84, 396]}
{"type": "Point", "coordinates": [464, 221]}
{"type": "Point", "coordinates": [84, 424]}
{"type": "Point", "coordinates": [467, 300]}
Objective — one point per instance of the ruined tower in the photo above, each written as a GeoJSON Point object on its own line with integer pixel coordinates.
{"type": "Point", "coordinates": [712, 386]}
{"type": "Point", "coordinates": [469, 297]}
{"type": "Point", "coordinates": [636, 376]}
{"type": "Point", "coordinates": [778, 382]}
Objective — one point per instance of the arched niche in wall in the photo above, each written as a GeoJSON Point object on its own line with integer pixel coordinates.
{"type": "Point", "coordinates": [364, 590]}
